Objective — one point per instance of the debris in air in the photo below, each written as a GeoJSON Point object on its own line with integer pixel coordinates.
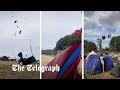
{"type": "Point", "coordinates": [15, 21]}
{"type": "Point", "coordinates": [19, 32]}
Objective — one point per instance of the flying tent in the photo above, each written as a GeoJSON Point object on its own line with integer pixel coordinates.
{"type": "Point", "coordinates": [68, 62]}
{"type": "Point", "coordinates": [76, 33]}
{"type": "Point", "coordinates": [93, 64]}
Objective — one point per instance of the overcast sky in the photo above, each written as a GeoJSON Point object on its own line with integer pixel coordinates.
{"type": "Point", "coordinates": [98, 23]}
{"type": "Point", "coordinates": [57, 24]}
{"type": "Point", "coordinates": [11, 42]}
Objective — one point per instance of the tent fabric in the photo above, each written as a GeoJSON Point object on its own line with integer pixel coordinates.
{"type": "Point", "coordinates": [91, 53]}
{"type": "Point", "coordinates": [60, 60]}
{"type": "Point", "coordinates": [93, 64]}
{"type": "Point", "coordinates": [20, 55]}
{"type": "Point", "coordinates": [116, 70]}
{"type": "Point", "coordinates": [75, 54]}
{"type": "Point", "coordinates": [29, 60]}
{"type": "Point", "coordinates": [108, 62]}
{"type": "Point", "coordinates": [71, 72]}
{"type": "Point", "coordinates": [79, 68]}
{"type": "Point", "coordinates": [76, 33]}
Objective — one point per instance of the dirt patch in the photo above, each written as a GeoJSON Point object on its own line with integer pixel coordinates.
{"type": "Point", "coordinates": [106, 75]}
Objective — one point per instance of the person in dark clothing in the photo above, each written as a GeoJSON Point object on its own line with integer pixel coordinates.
{"type": "Point", "coordinates": [21, 57]}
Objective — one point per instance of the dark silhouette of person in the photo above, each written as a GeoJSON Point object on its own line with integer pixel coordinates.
{"type": "Point", "coordinates": [21, 57]}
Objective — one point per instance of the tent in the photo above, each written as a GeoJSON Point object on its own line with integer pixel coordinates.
{"type": "Point", "coordinates": [116, 70]}
{"type": "Point", "coordinates": [108, 62]}
{"type": "Point", "coordinates": [68, 62]}
{"type": "Point", "coordinates": [76, 33]}
{"type": "Point", "coordinates": [91, 53]}
{"type": "Point", "coordinates": [93, 64]}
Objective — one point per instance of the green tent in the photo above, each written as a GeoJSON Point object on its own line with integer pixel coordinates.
{"type": "Point", "coordinates": [116, 70]}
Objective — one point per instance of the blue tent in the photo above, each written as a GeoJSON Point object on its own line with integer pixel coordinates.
{"type": "Point", "coordinates": [93, 64]}
{"type": "Point", "coordinates": [108, 62]}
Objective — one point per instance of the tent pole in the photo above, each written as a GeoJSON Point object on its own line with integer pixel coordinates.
{"type": "Point", "coordinates": [31, 47]}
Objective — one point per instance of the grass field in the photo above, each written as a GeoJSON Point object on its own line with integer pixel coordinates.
{"type": "Point", "coordinates": [6, 72]}
{"type": "Point", "coordinates": [105, 75]}
{"type": "Point", "coordinates": [46, 59]}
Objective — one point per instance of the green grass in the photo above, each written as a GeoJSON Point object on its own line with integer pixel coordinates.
{"type": "Point", "coordinates": [6, 72]}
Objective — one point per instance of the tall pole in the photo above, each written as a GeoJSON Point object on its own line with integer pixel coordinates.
{"type": "Point", "coordinates": [31, 47]}
{"type": "Point", "coordinates": [115, 46]}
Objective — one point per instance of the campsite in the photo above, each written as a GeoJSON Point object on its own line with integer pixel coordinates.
{"type": "Point", "coordinates": [105, 75]}
{"type": "Point", "coordinates": [93, 66]}
{"type": "Point", "coordinates": [101, 48]}
{"type": "Point", "coordinates": [19, 43]}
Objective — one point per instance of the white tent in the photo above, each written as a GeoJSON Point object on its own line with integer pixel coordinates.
{"type": "Point", "coordinates": [91, 53]}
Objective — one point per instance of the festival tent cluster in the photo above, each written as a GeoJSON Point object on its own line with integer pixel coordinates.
{"type": "Point", "coordinates": [93, 64]}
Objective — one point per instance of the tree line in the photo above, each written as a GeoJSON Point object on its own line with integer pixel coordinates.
{"type": "Point", "coordinates": [63, 43]}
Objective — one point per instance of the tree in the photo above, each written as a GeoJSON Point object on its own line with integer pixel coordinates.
{"type": "Point", "coordinates": [115, 44]}
{"type": "Point", "coordinates": [67, 41]}
{"type": "Point", "coordinates": [89, 46]}
{"type": "Point", "coordinates": [106, 50]}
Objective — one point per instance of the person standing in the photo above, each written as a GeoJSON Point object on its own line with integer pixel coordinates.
{"type": "Point", "coordinates": [102, 62]}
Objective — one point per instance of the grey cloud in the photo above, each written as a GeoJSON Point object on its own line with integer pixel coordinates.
{"type": "Point", "coordinates": [110, 20]}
